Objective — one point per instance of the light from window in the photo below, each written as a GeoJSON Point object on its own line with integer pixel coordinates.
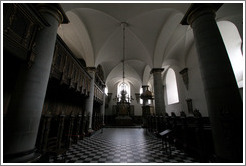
{"type": "Point", "coordinates": [171, 87]}
{"type": "Point", "coordinates": [122, 86]}
{"type": "Point", "coordinates": [233, 44]}
{"type": "Point", "coordinates": [106, 90]}
{"type": "Point", "coordinates": [141, 91]}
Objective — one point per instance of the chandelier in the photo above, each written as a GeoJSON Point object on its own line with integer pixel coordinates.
{"type": "Point", "coordinates": [123, 97]}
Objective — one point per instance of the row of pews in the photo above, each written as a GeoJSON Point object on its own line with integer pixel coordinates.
{"type": "Point", "coordinates": [191, 134]}
{"type": "Point", "coordinates": [58, 133]}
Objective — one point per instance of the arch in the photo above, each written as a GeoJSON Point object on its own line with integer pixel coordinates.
{"type": "Point", "coordinates": [171, 87]}
{"type": "Point", "coordinates": [76, 36]}
{"type": "Point", "coordinates": [146, 74]}
{"type": "Point", "coordinates": [164, 38]}
{"type": "Point", "coordinates": [233, 44]}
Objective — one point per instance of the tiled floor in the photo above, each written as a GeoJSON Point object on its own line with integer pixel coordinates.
{"type": "Point", "coordinates": [123, 145]}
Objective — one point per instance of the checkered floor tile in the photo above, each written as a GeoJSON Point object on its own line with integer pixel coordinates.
{"type": "Point", "coordinates": [123, 145]}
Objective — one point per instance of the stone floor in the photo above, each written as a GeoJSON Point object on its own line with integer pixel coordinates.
{"type": "Point", "coordinates": [123, 145]}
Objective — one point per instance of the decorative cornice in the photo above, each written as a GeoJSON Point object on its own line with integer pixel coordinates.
{"type": "Point", "coordinates": [155, 70]}
{"type": "Point", "coordinates": [55, 10]}
{"type": "Point", "coordinates": [198, 9]}
{"type": "Point", "coordinates": [183, 71]}
{"type": "Point", "coordinates": [185, 77]}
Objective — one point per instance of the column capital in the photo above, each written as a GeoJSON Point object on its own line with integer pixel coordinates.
{"type": "Point", "coordinates": [145, 86]}
{"type": "Point", "coordinates": [198, 9]}
{"type": "Point", "coordinates": [91, 69]}
{"type": "Point", "coordinates": [55, 10]}
{"type": "Point", "coordinates": [155, 70]}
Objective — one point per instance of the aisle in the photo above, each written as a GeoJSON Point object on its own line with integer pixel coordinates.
{"type": "Point", "coordinates": [123, 145]}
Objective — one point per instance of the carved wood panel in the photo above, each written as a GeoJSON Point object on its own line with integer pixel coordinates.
{"type": "Point", "coordinates": [19, 31]}
{"type": "Point", "coordinates": [68, 70]}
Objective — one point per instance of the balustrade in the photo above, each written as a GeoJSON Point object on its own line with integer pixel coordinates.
{"type": "Point", "coordinates": [98, 94]}
{"type": "Point", "coordinates": [67, 69]}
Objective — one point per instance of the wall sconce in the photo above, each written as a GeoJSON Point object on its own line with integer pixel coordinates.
{"type": "Point", "coordinates": [137, 97]}
{"type": "Point", "coordinates": [185, 77]}
{"type": "Point", "coordinates": [189, 105]}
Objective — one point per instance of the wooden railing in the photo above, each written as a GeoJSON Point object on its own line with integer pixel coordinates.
{"type": "Point", "coordinates": [68, 70]}
{"type": "Point", "coordinates": [98, 94]}
{"type": "Point", "coordinates": [99, 82]}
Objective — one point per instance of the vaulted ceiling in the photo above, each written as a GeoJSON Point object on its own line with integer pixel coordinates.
{"type": "Point", "coordinates": [153, 36]}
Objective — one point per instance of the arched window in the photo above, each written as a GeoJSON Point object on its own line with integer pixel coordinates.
{"type": "Point", "coordinates": [106, 90]}
{"type": "Point", "coordinates": [121, 86]}
{"type": "Point", "coordinates": [233, 44]}
{"type": "Point", "coordinates": [171, 87]}
{"type": "Point", "coordinates": [141, 91]}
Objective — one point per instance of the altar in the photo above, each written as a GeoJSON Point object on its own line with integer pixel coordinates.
{"type": "Point", "coordinates": [123, 111]}
{"type": "Point", "coordinates": [123, 114]}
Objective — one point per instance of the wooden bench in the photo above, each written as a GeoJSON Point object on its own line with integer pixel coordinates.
{"type": "Point", "coordinates": [54, 150]}
{"type": "Point", "coordinates": [165, 141]}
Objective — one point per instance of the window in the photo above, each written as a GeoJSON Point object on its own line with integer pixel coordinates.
{"type": "Point", "coordinates": [122, 86]}
{"type": "Point", "coordinates": [141, 91]}
{"type": "Point", "coordinates": [106, 90]}
{"type": "Point", "coordinates": [171, 87]}
{"type": "Point", "coordinates": [233, 44]}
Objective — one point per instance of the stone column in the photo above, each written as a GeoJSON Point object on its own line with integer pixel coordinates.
{"type": "Point", "coordinates": [145, 110]}
{"type": "Point", "coordinates": [159, 92]}
{"type": "Point", "coordinates": [225, 106]}
{"type": "Point", "coordinates": [102, 109]}
{"type": "Point", "coordinates": [90, 100]}
{"type": "Point", "coordinates": [22, 120]}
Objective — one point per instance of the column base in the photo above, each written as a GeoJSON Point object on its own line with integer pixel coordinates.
{"type": "Point", "coordinates": [216, 159]}
{"type": "Point", "coordinates": [32, 157]}
{"type": "Point", "coordinates": [90, 132]}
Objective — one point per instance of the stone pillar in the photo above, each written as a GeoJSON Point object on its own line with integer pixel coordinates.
{"type": "Point", "coordinates": [102, 109]}
{"type": "Point", "coordinates": [90, 100]}
{"type": "Point", "coordinates": [22, 120]}
{"type": "Point", "coordinates": [225, 106]}
{"type": "Point", "coordinates": [159, 92]}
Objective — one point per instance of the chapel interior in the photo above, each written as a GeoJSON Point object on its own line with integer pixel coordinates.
{"type": "Point", "coordinates": [122, 82]}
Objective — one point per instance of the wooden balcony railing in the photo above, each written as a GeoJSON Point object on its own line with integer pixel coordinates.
{"type": "Point", "coordinates": [98, 94]}
{"type": "Point", "coordinates": [67, 69]}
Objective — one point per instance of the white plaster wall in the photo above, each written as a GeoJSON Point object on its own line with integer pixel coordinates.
{"type": "Point", "coordinates": [181, 105]}
{"type": "Point", "coordinates": [113, 90]}
{"type": "Point", "coordinates": [195, 88]}
{"type": "Point", "coordinates": [137, 106]}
